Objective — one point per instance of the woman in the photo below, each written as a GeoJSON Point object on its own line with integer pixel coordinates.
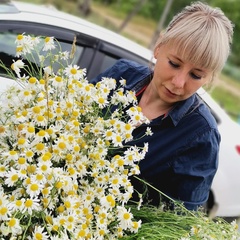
{"type": "Point", "coordinates": [183, 150]}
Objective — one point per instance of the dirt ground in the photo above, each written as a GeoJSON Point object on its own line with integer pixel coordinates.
{"type": "Point", "coordinates": [134, 31]}
{"type": "Point", "coordinates": [232, 89]}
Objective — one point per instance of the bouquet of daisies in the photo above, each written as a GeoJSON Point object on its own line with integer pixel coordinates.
{"type": "Point", "coordinates": [59, 176]}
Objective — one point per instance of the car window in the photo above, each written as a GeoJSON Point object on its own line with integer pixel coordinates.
{"type": "Point", "coordinates": [9, 32]}
{"type": "Point", "coordinates": [107, 62]}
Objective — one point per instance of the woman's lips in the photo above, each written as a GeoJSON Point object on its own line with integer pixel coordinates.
{"type": "Point", "coordinates": [171, 93]}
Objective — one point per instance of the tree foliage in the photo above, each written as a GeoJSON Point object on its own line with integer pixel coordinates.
{"type": "Point", "coordinates": [232, 9]}
{"type": "Point", "coordinates": [154, 9]}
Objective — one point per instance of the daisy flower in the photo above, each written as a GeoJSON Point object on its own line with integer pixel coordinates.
{"type": "Point", "coordinates": [73, 72]}
{"type": "Point", "coordinates": [48, 44]}
{"type": "Point", "coordinates": [11, 155]}
{"type": "Point", "coordinates": [34, 188]}
{"type": "Point", "coordinates": [44, 167]}
{"type": "Point", "coordinates": [11, 177]}
{"type": "Point", "coordinates": [108, 201]}
{"type": "Point", "coordinates": [109, 82]}
{"type": "Point", "coordinates": [38, 233]}
{"type": "Point", "coordinates": [57, 81]}
{"type": "Point", "coordinates": [30, 205]}
{"type": "Point", "coordinates": [48, 70]}
{"type": "Point", "coordinates": [14, 226]}
{"type": "Point", "coordinates": [22, 163]}
{"type": "Point", "coordinates": [149, 131]}
{"type": "Point", "coordinates": [64, 55]}
{"type": "Point", "coordinates": [135, 226]}
{"type": "Point", "coordinates": [20, 39]}
{"type": "Point", "coordinates": [16, 205]}
{"type": "Point", "coordinates": [117, 140]}
{"type": "Point", "coordinates": [16, 66]}
{"type": "Point", "coordinates": [24, 45]}
{"type": "Point", "coordinates": [4, 212]}
{"type": "Point", "coordinates": [125, 217]}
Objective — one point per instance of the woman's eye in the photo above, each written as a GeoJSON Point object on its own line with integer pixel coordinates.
{"type": "Point", "coordinates": [194, 76]}
{"type": "Point", "coordinates": [173, 64]}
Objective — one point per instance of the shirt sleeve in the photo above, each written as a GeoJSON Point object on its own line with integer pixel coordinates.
{"type": "Point", "coordinates": [195, 168]}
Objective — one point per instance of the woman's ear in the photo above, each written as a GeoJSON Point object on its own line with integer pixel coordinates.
{"type": "Point", "coordinates": [158, 44]}
{"type": "Point", "coordinates": [156, 51]}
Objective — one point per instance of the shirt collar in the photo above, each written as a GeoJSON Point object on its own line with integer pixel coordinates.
{"type": "Point", "coordinates": [183, 108]}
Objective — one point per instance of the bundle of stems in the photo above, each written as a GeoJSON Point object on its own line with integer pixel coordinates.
{"type": "Point", "coordinates": [180, 223]}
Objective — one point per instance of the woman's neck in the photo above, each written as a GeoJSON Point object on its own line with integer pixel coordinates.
{"type": "Point", "coordinates": [152, 105]}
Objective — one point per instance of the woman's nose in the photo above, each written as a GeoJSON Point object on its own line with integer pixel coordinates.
{"type": "Point", "coordinates": [179, 80]}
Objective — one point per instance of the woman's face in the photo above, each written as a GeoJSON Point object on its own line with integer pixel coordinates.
{"type": "Point", "coordinates": [175, 79]}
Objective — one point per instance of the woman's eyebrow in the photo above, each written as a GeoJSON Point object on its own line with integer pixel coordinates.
{"type": "Point", "coordinates": [182, 61]}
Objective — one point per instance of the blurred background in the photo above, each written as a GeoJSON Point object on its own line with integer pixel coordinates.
{"type": "Point", "coordinates": [142, 20]}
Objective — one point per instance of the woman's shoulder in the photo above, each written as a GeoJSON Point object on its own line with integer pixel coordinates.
{"type": "Point", "coordinates": [205, 112]}
{"type": "Point", "coordinates": [131, 67]}
{"type": "Point", "coordinates": [129, 63]}
{"type": "Point", "coordinates": [125, 69]}
{"type": "Point", "coordinates": [194, 112]}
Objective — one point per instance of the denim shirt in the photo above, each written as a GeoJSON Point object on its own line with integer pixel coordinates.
{"type": "Point", "coordinates": [183, 151]}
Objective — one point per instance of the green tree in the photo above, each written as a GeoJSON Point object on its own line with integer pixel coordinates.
{"type": "Point", "coordinates": [232, 10]}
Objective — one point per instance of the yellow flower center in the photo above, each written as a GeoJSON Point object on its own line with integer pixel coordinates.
{"type": "Point", "coordinates": [12, 153]}
{"type": "Point", "coordinates": [40, 146]}
{"type": "Point", "coordinates": [32, 80]}
{"type": "Point", "coordinates": [126, 216]}
{"type": "Point", "coordinates": [58, 79]}
{"type": "Point", "coordinates": [67, 204]}
{"type": "Point", "coordinates": [18, 203]}
{"type": "Point", "coordinates": [47, 39]}
{"type": "Point", "coordinates": [62, 145]}
{"type": "Point", "coordinates": [82, 233]}
{"type": "Point", "coordinates": [3, 210]}
{"type": "Point", "coordinates": [14, 178]}
{"type": "Point", "coordinates": [2, 129]}
{"type": "Point", "coordinates": [40, 118]}
{"type": "Point", "coordinates": [12, 222]}
{"type": "Point", "coordinates": [28, 203]}
{"type": "Point", "coordinates": [19, 37]}
{"type": "Point", "coordinates": [34, 187]}
{"type": "Point", "coordinates": [41, 133]}
{"type": "Point", "coordinates": [101, 100]}
{"type": "Point", "coordinates": [26, 93]}
{"type": "Point", "coordinates": [38, 236]}
{"type": "Point", "coordinates": [73, 71]}
{"type": "Point", "coordinates": [36, 109]}
{"type": "Point", "coordinates": [21, 141]}
{"type": "Point", "coordinates": [31, 168]}
{"type": "Point", "coordinates": [21, 160]}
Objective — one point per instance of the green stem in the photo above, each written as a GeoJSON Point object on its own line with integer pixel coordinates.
{"type": "Point", "coordinates": [165, 195]}
{"type": "Point", "coordinates": [28, 225]}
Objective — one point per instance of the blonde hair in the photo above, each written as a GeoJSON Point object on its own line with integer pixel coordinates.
{"type": "Point", "coordinates": [201, 34]}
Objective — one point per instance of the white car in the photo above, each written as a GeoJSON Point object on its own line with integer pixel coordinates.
{"type": "Point", "coordinates": [99, 48]}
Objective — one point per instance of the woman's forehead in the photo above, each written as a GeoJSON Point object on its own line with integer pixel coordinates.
{"type": "Point", "coordinates": [180, 54]}
{"type": "Point", "coordinates": [201, 57]}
